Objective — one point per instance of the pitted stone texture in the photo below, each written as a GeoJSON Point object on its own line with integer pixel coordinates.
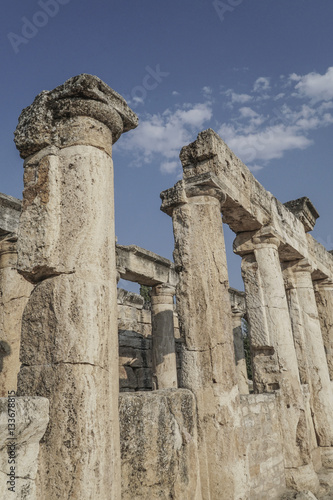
{"type": "Point", "coordinates": [60, 310]}
{"type": "Point", "coordinates": [304, 210]}
{"type": "Point", "coordinates": [324, 300]}
{"type": "Point", "coordinates": [320, 387]}
{"type": "Point", "coordinates": [14, 294]}
{"type": "Point", "coordinates": [275, 363]}
{"type": "Point", "coordinates": [159, 446]}
{"type": "Point", "coordinates": [260, 418]}
{"type": "Point", "coordinates": [61, 187]}
{"type": "Point", "coordinates": [83, 95]}
{"type": "Point", "coordinates": [31, 418]}
{"type": "Point", "coordinates": [73, 465]}
{"type": "Point", "coordinates": [207, 353]}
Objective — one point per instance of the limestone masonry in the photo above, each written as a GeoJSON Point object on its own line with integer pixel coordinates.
{"type": "Point", "coordinates": [202, 392]}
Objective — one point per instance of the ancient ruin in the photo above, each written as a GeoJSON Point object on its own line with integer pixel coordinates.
{"type": "Point", "coordinates": [202, 392]}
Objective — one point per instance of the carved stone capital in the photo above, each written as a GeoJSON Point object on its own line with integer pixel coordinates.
{"type": "Point", "coordinates": [248, 242]}
{"type": "Point", "coordinates": [325, 284]}
{"type": "Point", "coordinates": [163, 289]}
{"type": "Point", "coordinates": [40, 124]}
{"type": "Point", "coordinates": [8, 252]}
{"type": "Point", "coordinates": [206, 184]}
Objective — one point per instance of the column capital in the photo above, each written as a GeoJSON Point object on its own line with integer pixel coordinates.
{"type": "Point", "coordinates": [8, 252]}
{"type": "Point", "coordinates": [163, 289]}
{"type": "Point", "coordinates": [325, 284]}
{"type": "Point", "coordinates": [43, 123]}
{"type": "Point", "coordinates": [298, 266]}
{"type": "Point", "coordinates": [206, 184]}
{"type": "Point", "coordinates": [248, 242]}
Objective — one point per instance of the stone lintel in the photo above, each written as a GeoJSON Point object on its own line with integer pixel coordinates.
{"type": "Point", "coordinates": [305, 211]}
{"type": "Point", "coordinates": [82, 95]}
{"type": "Point", "coordinates": [291, 268]}
{"type": "Point", "coordinates": [10, 210]}
{"type": "Point", "coordinates": [130, 299]}
{"type": "Point", "coordinates": [325, 284]}
{"type": "Point", "coordinates": [144, 267]}
{"type": "Point", "coordinates": [202, 149]}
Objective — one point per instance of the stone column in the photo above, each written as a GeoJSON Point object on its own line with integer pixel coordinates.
{"type": "Point", "coordinates": [208, 367]}
{"type": "Point", "coordinates": [321, 395]}
{"type": "Point", "coordinates": [66, 246]}
{"type": "Point", "coordinates": [14, 294]}
{"type": "Point", "coordinates": [324, 298]}
{"type": "Point", "coordinates": [163, 336]}
{"type": "Point", "coordinates": [238, 309]}
{"type": "Point", "coordinates": [241, 370]}
{"type": "Point", "coordinates": [274, 356]}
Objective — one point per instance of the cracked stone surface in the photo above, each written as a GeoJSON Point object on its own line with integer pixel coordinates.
{"type": "Point", "coordinates": [159, 445]}
{"type": "Point", "coordinates": [14, 294]}
{"type": "Point", "coordinates": [208, 360]}
{"type": "Point", "coordinates": [31, 418]}
{"type": "Point", "coordinates": [66, 245]}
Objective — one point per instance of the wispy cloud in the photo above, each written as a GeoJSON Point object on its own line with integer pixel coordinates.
{"type": "Point", "coordinates": [265, 121]}
{"type": "Point", "coordinates": [161, 136]}
{"type": "Point", "coordinates": [261, 84]}
{"type": "Point", "coordinates": [315, 86]}
{"type": "Point", "coordinates": [264, 132]}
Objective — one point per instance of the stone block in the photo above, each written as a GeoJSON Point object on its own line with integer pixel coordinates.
{"type": "Point", "coordinates": [159, 445]}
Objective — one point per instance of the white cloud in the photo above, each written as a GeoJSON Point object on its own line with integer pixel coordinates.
{"type": "Point", "coordinates": [315, 86]}
{"type": "Point", "coordinates": [261, 84]}
{"type": "Point", "coordinates": [267, 144]}
{"type": "Point", "coordinates": [238, 98]}
{"type": "Point", "coordinates": [207, 92]}
{"type": "Point", "coordinates": [247, 112]}
{"type": "Point", "coordinates": [255, 168]}
{"type": "Point", "coordinates": [259, 129]}
{"type": "Point", "coordinates": [165, 134]}
{"type": "Point", "coordinates": [169, 167]}
{"type": "Point", "coordinates": [138, 100]}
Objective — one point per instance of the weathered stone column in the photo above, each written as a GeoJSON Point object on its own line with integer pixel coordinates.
{"type": "Point", "coordinates": [300, 342]}
{"type": "Point", "coordinates": [275, 361]}
{"type": "Point", "coordinates": [14, 294]}
{"type": "Point", "coordinates": [66, 245]}
{"type": "Point", "coordinates": [164, 351]}
{"type": "Point", "coordinates": [208, 366]}
{"type": "Point", "coordinates": [238, 310]}
{"type": "Point", "coordinates": [321, 395]}
{"type": "Point", "coordinates": [324, 298]}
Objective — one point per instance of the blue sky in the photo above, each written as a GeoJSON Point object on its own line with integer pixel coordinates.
{"type": "Point", "coordinates": [260, 73]}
